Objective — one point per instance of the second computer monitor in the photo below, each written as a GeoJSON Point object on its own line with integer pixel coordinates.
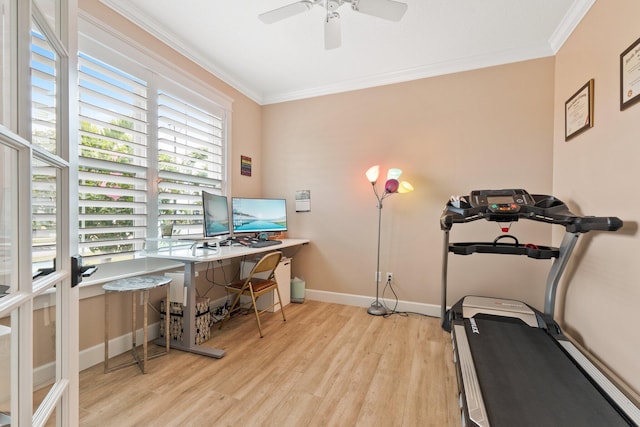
{"type": "Point", "coordinates": [216, 215]}
{"type": "Point", "coordinates": [251, 215]}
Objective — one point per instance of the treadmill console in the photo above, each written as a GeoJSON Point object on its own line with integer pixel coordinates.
{"type": "Point", "coordinates": [510, 205]}
{"type": "Point", "coordinates": [500, 201]}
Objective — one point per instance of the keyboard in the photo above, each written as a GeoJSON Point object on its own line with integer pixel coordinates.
{"type": "Point", "coordinates": [264, 243]}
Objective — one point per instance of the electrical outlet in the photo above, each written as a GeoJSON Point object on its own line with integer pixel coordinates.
{"type": "Point", "coordinates": [389, 277]}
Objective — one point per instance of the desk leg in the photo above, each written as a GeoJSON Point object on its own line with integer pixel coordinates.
{"type": "Point", "coordinates": [188, 342]}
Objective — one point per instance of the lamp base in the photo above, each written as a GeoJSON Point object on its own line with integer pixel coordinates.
{"type": "Point", "coordinates": [377, 309]}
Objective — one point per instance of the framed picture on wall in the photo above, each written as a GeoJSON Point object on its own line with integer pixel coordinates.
{"type": "Point", "coordinates": [245, 165]}
{"type": "Point", "coordinates": [630, 75]}
{"type": "Point", "coordinates": [578, 111]}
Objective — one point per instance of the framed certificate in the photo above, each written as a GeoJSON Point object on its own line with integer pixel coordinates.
{"type": "Point", "coordinates": [578, 111]}
{"type": "Point", "coordinates": [630, 75]}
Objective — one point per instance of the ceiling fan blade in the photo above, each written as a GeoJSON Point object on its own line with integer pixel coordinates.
{"type": "Point", "coordinates": [385, 9]}
{"type": "Point", "coordinates": [332, 31]}
{"type": "Point", "coordinates": [286, 11]}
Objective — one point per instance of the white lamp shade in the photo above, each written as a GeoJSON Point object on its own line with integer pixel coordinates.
{"type": "Point", "coordinates": [394, 173]}
{"type": "Point", "coordinates": [372, 173]}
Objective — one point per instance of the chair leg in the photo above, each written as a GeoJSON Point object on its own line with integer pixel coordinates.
{"type": "Point", "coordinates": [284, 319]}
{"type": "Point", "coordinates": [255, 310]}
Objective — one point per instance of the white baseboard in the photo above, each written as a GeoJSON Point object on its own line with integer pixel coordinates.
{"type": "Point", "coordinates": [118, 345]}
{"type": "Point", "coordinates": [365, 301]}
{"type": "Point", "coordinates": [44, 374]}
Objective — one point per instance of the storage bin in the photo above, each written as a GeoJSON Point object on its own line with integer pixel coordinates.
{"type": "Point", "coordinates": [202, 323]}
{"type": "Point", "coordinates": [297, 290]}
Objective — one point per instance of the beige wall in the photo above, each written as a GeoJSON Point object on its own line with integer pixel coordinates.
{"type": "Point", "coordinates": [598, 173]}
{"type": "Point", "coordinates": [488, 128]}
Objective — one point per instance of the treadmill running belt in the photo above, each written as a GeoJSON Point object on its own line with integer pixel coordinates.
{"type": "Point", "coordinates": [527, 380]}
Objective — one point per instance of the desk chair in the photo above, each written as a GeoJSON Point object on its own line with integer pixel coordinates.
{"type": "Point", "coordinates": [255, 287]}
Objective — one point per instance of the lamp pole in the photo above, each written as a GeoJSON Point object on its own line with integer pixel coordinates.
{"type": "Point", "coordinates": [376, 308]}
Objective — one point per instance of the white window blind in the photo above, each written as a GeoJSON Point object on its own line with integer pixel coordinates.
{"type": "Point", "coordinates": [112, 160]}
{"type": "Point", "coordinates": [190, 159]}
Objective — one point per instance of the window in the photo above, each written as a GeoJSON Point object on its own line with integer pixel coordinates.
{"type": "Point", "coordinates": [190, 158]}
{"type": "Point", "coordinates": [44, 133]}
{"type": "Point", "coordinates": [6, 11]}
{"type": "Point", "coordinates": [8, 218]}
{"type": "Point", "coordinates": [43, 206]}
{"type": "Point", "coordinates": [43, 91]}
{"type": "Point", "coordinates": [112, 160]}
{"type": "Point", "coordinates": [148, 145]}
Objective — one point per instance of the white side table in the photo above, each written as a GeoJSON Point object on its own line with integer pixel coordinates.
{"type": "Point", "coordinates": [140, 285]}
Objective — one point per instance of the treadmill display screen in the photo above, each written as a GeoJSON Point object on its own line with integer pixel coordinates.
{"type": "Point", "coordinates": [500, 199]}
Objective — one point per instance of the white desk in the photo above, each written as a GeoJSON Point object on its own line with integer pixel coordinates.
{"type": "Point", "coordinates": [186, 256]}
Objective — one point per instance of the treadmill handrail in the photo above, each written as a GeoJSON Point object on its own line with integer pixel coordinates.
{"type": "Point", "coordinates": [531, 251]}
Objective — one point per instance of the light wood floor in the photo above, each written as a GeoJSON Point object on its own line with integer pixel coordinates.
{"type": "Point", "coordinates": [327, 365]}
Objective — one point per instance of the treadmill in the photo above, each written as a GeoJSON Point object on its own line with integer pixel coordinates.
{"type": "Point", "coordinates": [514, 366]}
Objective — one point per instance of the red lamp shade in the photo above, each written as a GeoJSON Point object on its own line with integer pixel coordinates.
{"type": "Point", "coordinates": [391, 186]}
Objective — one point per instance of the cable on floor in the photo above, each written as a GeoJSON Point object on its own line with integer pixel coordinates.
{"type": "Point", "coordinates": [392, 311]}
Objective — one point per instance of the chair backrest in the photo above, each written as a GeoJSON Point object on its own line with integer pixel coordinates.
{"type": "Point", "coordinates": [267, 263]}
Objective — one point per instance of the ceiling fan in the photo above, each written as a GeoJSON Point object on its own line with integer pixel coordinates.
{"type": "Point", "coordinates": [385, 9]}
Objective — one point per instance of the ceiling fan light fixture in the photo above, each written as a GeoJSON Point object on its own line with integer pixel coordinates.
{"type": "Point", "coordinates": [333, 4]}
{"type": "Point", "coordinates": [332, 31]}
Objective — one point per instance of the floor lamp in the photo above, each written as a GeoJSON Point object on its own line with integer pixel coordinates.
{"type": "Point", "coordinates": [391, 186]}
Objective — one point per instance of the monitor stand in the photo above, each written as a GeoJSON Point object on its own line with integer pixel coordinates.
{"type": "Point", "coordinates": [211, 244]}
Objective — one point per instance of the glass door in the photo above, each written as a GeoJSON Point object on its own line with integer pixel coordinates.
{"type": "Point", "coordinates": [38, 306]}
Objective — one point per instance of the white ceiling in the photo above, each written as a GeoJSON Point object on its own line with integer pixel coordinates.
{"type": "Point", "coordinates": [287, 60]}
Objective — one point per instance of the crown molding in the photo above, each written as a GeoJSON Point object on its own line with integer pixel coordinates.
{"type": "Point", "coordinates": [431, 70]}
{"type": "Point", "coordinates": [136, 16]}
{"type": "Point", "coordinates": [569, 22]}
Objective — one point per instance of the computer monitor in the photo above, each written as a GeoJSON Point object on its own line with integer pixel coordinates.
{"type": "Point", "coordinates": [216, 214]}
{"type": "Point", "coordinates": [258, 215]}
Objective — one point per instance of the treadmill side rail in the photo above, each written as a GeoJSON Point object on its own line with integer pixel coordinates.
{"type": "Point", "coordinates": [614, 393]}
{"type": "Point", "coordinates": [471, 386]}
